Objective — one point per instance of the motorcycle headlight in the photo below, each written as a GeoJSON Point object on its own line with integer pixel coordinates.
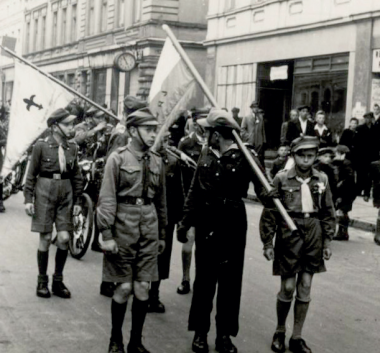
{"type": "Point", "coordinates": [86, 167]}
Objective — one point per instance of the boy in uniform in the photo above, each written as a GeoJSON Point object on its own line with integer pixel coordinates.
{"type": "Point", "coordinates": [280, 162]}
{"type": "Point", "coordinates": [215, 207]}
{"type": "Point", "coordinates": [132, 219]}
{"type": "Point", "coordinates": [306, 195]}
{"type": "Point", "coordinates": [52, 188]}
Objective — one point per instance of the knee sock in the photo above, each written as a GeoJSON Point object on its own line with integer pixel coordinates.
{"type": "Point", "coordinates": [60, 260]}
{"type": "Point", "coordinates": [300, 312]}
{"type": "Point", "coordinates": [282, 313]}
{"type": "Point", "coordinates": [154, 290]}
{"type": "Point", "coordinates": [139, 310]}
{"type": "Point", "coordinates": [42, 260]}
{"type": "Point", "coordinates": [186, 264]}
{"type": "Point", "coordinates": [117, 316]}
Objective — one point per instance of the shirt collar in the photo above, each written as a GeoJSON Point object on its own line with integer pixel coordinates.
{"type": "Point", "coordinates": [292, 173]}
{"type": "Point", "coordinates": [234, 146]}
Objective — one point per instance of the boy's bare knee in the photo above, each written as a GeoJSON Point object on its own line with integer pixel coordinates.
{"type": "Point", "coordinates": [122, 292]}
{"type": "Point", "coordinates": [141, 290]}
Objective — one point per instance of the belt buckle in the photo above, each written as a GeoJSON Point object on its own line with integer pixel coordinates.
{"type": "Point", "coordinates": [57, 176]}
{"type": "Point", "coordinates": [307, 215]}
{"type": "Point", "coordinates": [139, 201]}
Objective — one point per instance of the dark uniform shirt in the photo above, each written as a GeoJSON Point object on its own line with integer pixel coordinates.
{"type": "Point", "coordinates": [345, 187]}
{"type": "Point", "coordinates": [44, 159]}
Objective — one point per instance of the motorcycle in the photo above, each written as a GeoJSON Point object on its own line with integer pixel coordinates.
{"type": "Point", "coordinates": [84, 223]}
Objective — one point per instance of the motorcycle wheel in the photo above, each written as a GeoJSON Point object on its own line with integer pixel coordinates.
{"type": "Point", "coordinates": [7, 187]}
{"type": "Point", "coordinates": [83, 225]}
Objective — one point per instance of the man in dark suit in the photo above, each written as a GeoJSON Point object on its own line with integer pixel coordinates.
{"type": "Point", "coordinates": [301, 126]}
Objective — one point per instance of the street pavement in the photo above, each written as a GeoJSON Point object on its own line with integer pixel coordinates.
{"type": "Point", "coordinates": [344, 315]}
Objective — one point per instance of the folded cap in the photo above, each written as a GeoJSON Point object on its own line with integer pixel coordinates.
{"type": "Point", "coordinates": [254, 104]}
{"type": "Point", "coordinates": [141, 117]}
{"type": "Point", "coordinates": [325, 150]}
{"type": "Point", "coordinates": [219, 118]}
{"type": "Point", "coordinates": [60, 116]}
{"type": "Point", "coordinates": [369, 115]}
{"type": "Point", "coordinates": [304, 143]}
{"type": "Point", "coordinates": [303, 107]}
{"type": "Point", "coordinates": [199, 113]}
{"type": "Point", "coordinates": [91, 111]}
{"type": "Point", "coordinates": [132, 104]}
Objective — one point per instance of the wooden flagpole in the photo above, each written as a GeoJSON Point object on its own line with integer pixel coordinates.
{"type": "Point", "coordinates": [289, 221]}
{"type": "Point", "coordinates": [73, 91]}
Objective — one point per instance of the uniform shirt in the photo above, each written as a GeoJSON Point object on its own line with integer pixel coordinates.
{"type": "Point", "coordinates": [44, 159]}
{"type": "Point", "coordinates": [123, 177]}
{"type": "Point", "coordinates": [218, 179]}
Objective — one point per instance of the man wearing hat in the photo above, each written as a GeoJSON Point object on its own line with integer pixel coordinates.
{"type": "Point", "coordinates": [305, 194]}
{"type": "Point", "coordinates": [52, 192]}
{"type": "Point", "coordinates": [132, 219]}
{"type": "Point", "coordinates": [214, 206]}
{"type": "Point", "coordinates": [365, 150]}
{"type": "Point", "coordinates": [301, 126]}
{"type": "Point", "coordinates": [191, 145]}
{"type": "Point", "coordinates": [253, 130]}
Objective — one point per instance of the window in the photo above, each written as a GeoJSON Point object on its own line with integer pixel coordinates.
{"type": "Point", "coordinates": [35, 39]}
{"type": "Point", "coordinates": [121, 13]}
{"type": "Point", "coordinates": [236, 86]}
{"type": "Point", "coordinates": [74, 23]}
{"type": "Point", "coordinates": [27, 37]}
{"type": "Point", "coordinates": [99, 86]}
{"type": "Point", "coordinates": [91, 17]}
{"type": "Point", "coordinates": [71, 80]}
{"type": "Point", "coordinates": [54, 33]}
{"type": "Point", "coordinates": [64, 26]}
{"type": "Point", "coordinates": [43, 33]}
{"type": "Point", "coordinates": [104, 16]}
{"type": "Point", "coordinates": [137, 11]}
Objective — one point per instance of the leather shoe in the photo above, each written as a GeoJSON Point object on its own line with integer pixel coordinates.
{"type": "Point", "coordinates": [2, 208]}
{"type": "Point", "coordinates": [116, 347]}
{"type": "Point", "coordinates": [43, 290]}
{"type": "Point", "coordinates": [184, 288]}
{"type": "Point", "coordinates": [107, 289]}
{"type": "Point", "coordinates": [298, 346]}
{"type": "Point", "coordinates": [60, 290]}
{"type": "Point", "coordinates": [136, 347]}
{"type": "Point", "coordinates": [96, 247]}
{"type": "Point", "coordinates": [342, 236]}
{"type": "Point", "coordinates": [155, 306]}
{"type": "Point", "coordinates": [200, 343]}
{"type": "Point", "coordinates": [278, 343]}
{"type": "Point", "coordinates": [223, 344]}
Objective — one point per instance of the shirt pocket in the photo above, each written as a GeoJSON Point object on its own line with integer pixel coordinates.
{"type": "Point", "coordinates": [154, 177]}
{"type": "Point", "coordinates": [291, 196]}
{"type": "Point", "coordinates": [130, 175]}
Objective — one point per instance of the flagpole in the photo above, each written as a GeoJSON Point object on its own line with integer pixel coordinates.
{"type": "Point", "coordinates": [73, 91]}
{"type": "Point", "coordinates": [289, 221]}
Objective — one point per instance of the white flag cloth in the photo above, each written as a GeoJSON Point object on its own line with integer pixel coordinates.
{"type": "Point", "coordinates": [34, 98]}
{"type": "Point", "coordinates": [174, 87]}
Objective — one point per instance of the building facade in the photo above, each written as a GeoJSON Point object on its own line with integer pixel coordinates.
{"type": "Point", "coordinates": [286, 53]}
{"type": "Point", "coordinates": [107, 49]}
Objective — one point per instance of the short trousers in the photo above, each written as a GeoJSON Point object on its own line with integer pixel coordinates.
{"type": "Point", "coordinates": [53, 205]}
{"type": "Point", "coordinates": [136, 234]}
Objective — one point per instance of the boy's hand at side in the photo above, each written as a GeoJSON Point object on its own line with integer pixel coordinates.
{"type": "Point", "coordinates": [29, 209]}
{"type": "Point", "coordinates": [327, 253]}
{"type": "Point", "coordinates": [269, 254]}
{"type": "Point", "coordinates": [110, 247]}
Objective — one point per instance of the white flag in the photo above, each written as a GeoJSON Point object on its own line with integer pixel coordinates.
{"type": "Point", "coordinates": [34, 98]}
{"type": "Point", "coordinates": [174, 87]}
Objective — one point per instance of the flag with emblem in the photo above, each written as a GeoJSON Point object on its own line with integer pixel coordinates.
{"type": "Point", "coordinates": [174, 88]}
{"type": "Point", "coordinates": [34, 98]}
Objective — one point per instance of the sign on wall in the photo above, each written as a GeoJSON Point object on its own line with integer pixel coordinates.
{"type": "Point", "coordinates": [376, 61]}
{"type": "Point", "coordinates": [375, 94]}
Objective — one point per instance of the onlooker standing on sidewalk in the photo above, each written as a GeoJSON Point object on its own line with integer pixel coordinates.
{"type": "Point", "coordinates": [324, 164]}
{"type": "Point", "coordinates": [53, 186]}
{"type": "Point", "coordinates": [321, 130]}
{"type": "Point", "coordinates": [253, 130]}
{"type": "Point", "coordinates": [366, 150]}
{"type": "Point", "coordinates": [284, 126]}
{"type": "Point", "coordinates": [375, 184]}
{"type": "Point", "coordinates": [301, 126]}
{"type": "Point", "coordinates": [348, 137]}
{"type": "Point", "coordinates": [235, 114]}
{"type": "Point", "coordinates": [345, 190]}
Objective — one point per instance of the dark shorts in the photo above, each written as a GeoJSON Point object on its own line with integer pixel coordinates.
{"type": "Point", "coordinates": [304, 253]}
{"type": "Point", "coordinates": [53, 205]}
{"type": "Point", "coordinates": [136, 234]}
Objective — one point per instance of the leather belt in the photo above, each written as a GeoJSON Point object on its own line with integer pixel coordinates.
{"type": "Point", "coordinates": [56, 176]}
{"type": "Point", "coordinates": [303, 215]}
{"type": "Point", "coordinates": [131, 200]}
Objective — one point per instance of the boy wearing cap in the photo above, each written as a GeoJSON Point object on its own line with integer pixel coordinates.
{"type": "Point", "coordinates": [306, 195]}
{"type": "Point", "coordinates": [53, 186]}
{"type": "Point", "coordinates": [132, 219]}
{"type": "Point", "coordinates": [220, 182]}
{"type": "Point", "coordinates": [324, 164]}
{"type": "Point", "coordinates": [282, 157]}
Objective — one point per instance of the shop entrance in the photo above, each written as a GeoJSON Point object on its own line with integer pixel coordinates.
{"type": "Point", "coordinates": [275, 82]}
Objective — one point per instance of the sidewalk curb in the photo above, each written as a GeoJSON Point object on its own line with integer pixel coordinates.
{"type": "Point", "coordinates": [355, 223]}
